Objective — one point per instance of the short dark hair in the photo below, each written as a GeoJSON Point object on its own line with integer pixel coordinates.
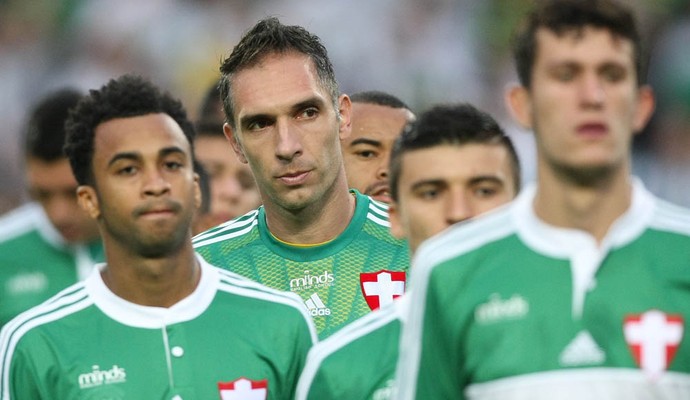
{"type": "Point", "coordinates": [44, 136]}
{"type": "Point", "coordinates": [378, 98]}
{"type": "Point", "coordinates": [564, 16]}
{"type": "Point", "coordinates": [210, 121]}
{"type": "Point", "coordinates": [450, 124]}
{"type": "Point", "coordinates": [126, 96]}
{"type": "Point", "coordinates": [267, 37]}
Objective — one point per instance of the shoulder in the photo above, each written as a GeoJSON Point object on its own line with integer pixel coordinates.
{"type": "Point", "coordinates": [350, 345]}
{"type": "Point", "coordinates": [232, 229]}
{"type": "Point", "coordinates": [358, 329]}
{"type": "Point", "coordinates": [377, 212]}
{"type": "Point", "coordinates": [466, 237]}
{"type": "Point", "coordinates": [20, 221]}
{"type": "Point", "coordinates": [376, 224]}
{"type": "Point", "coordinates": [287, 304]}
{"type": "Point", "coordinates": [64, 304]}
{"type": "Point", "coordinates": [671, 218]}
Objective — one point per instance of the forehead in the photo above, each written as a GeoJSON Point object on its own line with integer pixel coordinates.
{"type": "Point", "coordinates": [49, 175]}
{"type": "Point", "coordinates": [138, 134]}
{"type": "Point", "coordinates": [451, 162]}
{"type": "Point", "coordinates": [585, 45]}
{"type": "Point", "coordinates": [277, 82]}
{"type": "Point", "coordinates": [377, 121]}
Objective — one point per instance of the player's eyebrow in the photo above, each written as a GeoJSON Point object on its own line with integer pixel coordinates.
{"type": "Point", "coordinates": [370, 142]}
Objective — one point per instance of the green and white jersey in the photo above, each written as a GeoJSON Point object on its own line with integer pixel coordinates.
{"type": "Point", "coordinates": [358, 361]}
{"type": "Point", "coordinates": [35, 262]}
{"type": "Point", "coordinates": [508, 307]}
{"type": "Point", "coordinates": [339, 281]}
{"type": "Point", "coordinates": [231, 339]}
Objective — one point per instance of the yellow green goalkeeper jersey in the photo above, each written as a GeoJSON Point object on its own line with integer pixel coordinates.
{"type": "Point", "coordinates": [230, 339]}
{"type": "Point", "coordinates": [362, 269]}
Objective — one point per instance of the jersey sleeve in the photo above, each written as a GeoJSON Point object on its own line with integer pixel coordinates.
{"type": "Point", "coordinates": [428, 367]}
{"type": "Point", "coordinates": [20, 380]}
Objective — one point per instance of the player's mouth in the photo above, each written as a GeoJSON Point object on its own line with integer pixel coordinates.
{"type": "Point", "coordinates": [294, 178]}
{"type": "Point", "coordinates": [157, 211]}
{"type": "Point", "coordinates": [380, 192]}
{"type": "Point", "coordinates": [592, 130]}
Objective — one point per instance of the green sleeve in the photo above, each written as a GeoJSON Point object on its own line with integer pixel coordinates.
{"type": "Point", "coordinates": [24, 382]}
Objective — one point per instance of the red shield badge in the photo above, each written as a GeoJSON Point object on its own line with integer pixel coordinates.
{"type": "Point", "coordinates": [243, 389]}
{"type": "Point", "coordinates": [380, 288]}
{"type": "Point", "coordinates": [653, 338]}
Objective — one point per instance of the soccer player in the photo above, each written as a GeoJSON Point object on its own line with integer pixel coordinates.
{"type": "Point", "coordinates": [233, 191]}
{"type": "Point", "coordinates": [312, 236]}
{"type": "Point", "coordinates": [48, 243]}
{"type": "Point", "coordinates": [452, 165]}
{"type": "Point", "coordinates": [155, 321]}
{"type": "Point", "coordinates": [377, 119]}
{"type": "Point", "coordinates": [579, 289]}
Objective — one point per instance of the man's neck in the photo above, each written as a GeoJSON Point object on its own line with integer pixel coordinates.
{"type": "Point", "coordinates": [319, 223]}
{"type": "Point", "coordinates": [592, 208]}
{"type": "Point", "coordinates": [155, 282]}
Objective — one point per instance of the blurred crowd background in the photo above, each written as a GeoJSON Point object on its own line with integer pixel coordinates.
{"type": "Point", "coordinates": [423, 51]}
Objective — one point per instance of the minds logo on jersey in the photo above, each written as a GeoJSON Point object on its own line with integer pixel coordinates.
{"type": "Point", "coordinates": [311, 281]}
{"type": "Point", "coordinates": [98, 377]}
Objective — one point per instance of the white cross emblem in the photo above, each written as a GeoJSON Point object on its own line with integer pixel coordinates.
{"type": "Point", "coordinates": [654, 338]}
{"type": "Point", "coordinates": [242, 389]}
{"type": "Point", "coordinates": [384, 288]}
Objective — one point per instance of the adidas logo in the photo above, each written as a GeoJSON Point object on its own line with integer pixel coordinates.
{"type": "Point", "coordinates": [316, 307]}
{"type": "Point", "coordinates": [582, 350]}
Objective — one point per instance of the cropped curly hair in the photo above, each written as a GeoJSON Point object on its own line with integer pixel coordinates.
{"type": "Point", "coordinates": [126, 96]}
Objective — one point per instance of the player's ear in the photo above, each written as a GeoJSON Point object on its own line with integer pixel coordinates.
{"type": "Point", "coordinates": [397, 229]}
{"type": "Point", "coordinates": [231, 135]}
{"type": "Point", "coordinates": [645, 107]}
{"type": "Point", "coordinates": [519, 103]}
{"type": "Point", "coordinates": [197, 192]}
{"type": "Point", "coordinates": [344, 116]}
{"type": "Point", "coordinates": [88, 200]}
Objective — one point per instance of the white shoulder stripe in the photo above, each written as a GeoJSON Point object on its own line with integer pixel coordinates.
{"type": "Point", "coordinates": [53, 310]}
{"type": "Point", "coordinates": [19, 221]}
{"type": "Point", "coordinates": [465, 237]}
{"type": "Point", "coordinates": [378, 207]}
{"type": "Point", "coordinates": [246, 227]}
{"type": "Point", "coordinates": [379, 221]}
{"type": "Point", "coordinates": [233, 224]}
{"type": "Point", "coordinates": [672, 218]}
